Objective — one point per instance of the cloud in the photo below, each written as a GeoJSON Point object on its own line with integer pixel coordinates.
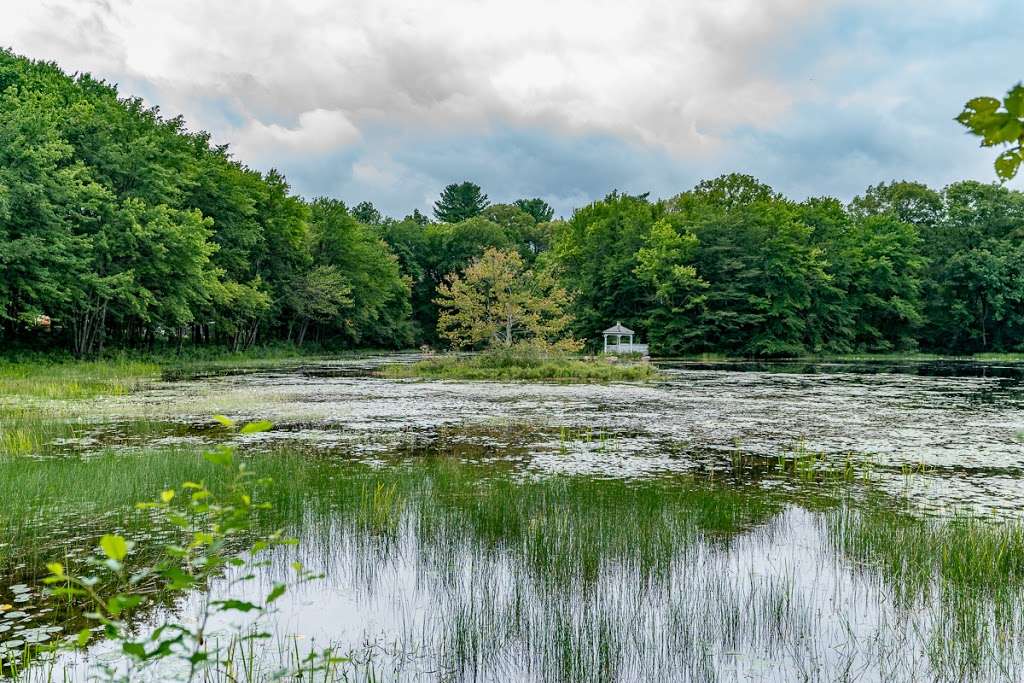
{"type": "Point", "coordinates": [389, 101]}
{"type": "Point", "coordinates": [316, 131]}
{"type": "Point", "coordinates": [664, 73]}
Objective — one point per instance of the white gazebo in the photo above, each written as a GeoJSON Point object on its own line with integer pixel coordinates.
{"type": "Point", "coordinates": [618, 332]}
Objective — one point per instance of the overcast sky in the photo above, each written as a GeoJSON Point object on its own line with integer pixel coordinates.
{"type": "Point", "coordinates": [391, 100]}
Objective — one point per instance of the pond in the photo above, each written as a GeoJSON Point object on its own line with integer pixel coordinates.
{"type": "Point", "coordinates": [732, 521]}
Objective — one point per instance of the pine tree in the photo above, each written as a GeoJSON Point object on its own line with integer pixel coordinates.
{"type": "Point", "coordinates": [459, 202]}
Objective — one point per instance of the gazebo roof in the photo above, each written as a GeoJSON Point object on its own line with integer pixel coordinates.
{"type": "Point", "coordinates": [618, 329]}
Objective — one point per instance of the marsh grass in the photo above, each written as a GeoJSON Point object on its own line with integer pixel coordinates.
{"type": "Point", "coordinates": [74, 379]}
{"type": "Point", "coordinates": [572, 577]}
{"type": "Point", "coordinates": [522, 367]}
{"type": "Point", "coordinates": [966, 571]}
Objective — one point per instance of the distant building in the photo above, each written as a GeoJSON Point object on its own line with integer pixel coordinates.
{"type": "Point", "coordinates": [616, 333]}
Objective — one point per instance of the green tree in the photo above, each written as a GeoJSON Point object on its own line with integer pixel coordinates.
{"type": "Point", "coordinates": [321, 295]}
{"type": "Point", "coordinates": [367, 213]}
{"type": "Point", "coordinates": [595, 253]}
{"type": "Point", "coordinates": [910, 202]}
{"type": "Point", "coordinates": [762, 268]}
{"type": "Point", "coordinates": [498, 301]}
{"type": "Point", "coordinates": [460, 201]}
{"type": "Point", "coordinates": [883, 282]}
{"type": "Point", "coordinates": [450, 247]}
{"type": "Point", "coordinates": [536, 207]}
{"type": "Point", "coordinates": [379, 310]}
{"type": "Point", "coordinates": [666, 264]}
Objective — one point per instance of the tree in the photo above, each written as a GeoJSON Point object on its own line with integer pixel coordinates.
{"type": "Point", "coordinates": [522, 229]}
{"type": "Point", "coordinates": [450, 247]}
{"type": "Point", "coordinates": [536, 207]}
{"type": "Point", "coordinates": [999, 123]}
{"type": "Point", "coordinates": [321, 295]}
{"type": "Point", "coordinates": [498, 301]}
{"type": "Point", "coordinates": [595, 253]}
{"type": "Point", "coordinates": [666, 264]}
{"type": "Point", "coordinates": [883, 282]}
{"type": "Point", "coordinates": [417, 218]}
{"type": "Point", "coordinates": [763, 269]}
{"type": "Point", "coordinates": [459, 202]}
{"type": "Point", "coordinates": [909, 202]}
{"type": "Point", "coordinates": [367, 213]}
{"type": "Point", "coordinates": [379, 309]}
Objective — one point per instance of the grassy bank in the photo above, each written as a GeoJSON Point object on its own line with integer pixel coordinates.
{"type": "Point", "coordinates": [511, 367]}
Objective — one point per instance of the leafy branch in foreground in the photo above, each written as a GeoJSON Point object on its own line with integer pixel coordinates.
{"type": "Point", "coordinates": [218, 539]}
{"type": "Point", "coordinates": [999, 123]}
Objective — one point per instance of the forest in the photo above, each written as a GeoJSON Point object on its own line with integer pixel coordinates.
{"type": "Point", "coordinates": [120, 228]}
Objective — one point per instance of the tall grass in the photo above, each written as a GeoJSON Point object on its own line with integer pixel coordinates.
{"type": "Point", "coordinates": [577, 578]}
{"type": "Point", "coordinates": [519, 366]}
{"type": "Point", "coordinates": [75, 379]}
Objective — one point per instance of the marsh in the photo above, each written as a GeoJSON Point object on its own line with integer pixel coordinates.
{"type": "Point", "coordinates": [725, 521]}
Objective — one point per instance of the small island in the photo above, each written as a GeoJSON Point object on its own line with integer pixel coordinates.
{"type": "Point", "coordinates": [515, 319]}
{"type": "Point", "coordinates": [525, 367]}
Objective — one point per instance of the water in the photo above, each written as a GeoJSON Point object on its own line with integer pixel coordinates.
{"type": "Point", "coordinates": [961, 421]}
{"type": "Point", "coordinates": [604, 532]}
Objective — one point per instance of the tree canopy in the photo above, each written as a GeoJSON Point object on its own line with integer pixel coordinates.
{"type": "Point", "coordinates": [498, 301]}
{"type": "Point", "coordinates": [119, 227]}
{"type": "Point", "coordinates": [459, 202]}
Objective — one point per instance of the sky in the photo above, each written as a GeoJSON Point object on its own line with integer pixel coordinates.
{"type": "Point", "coordinates": [390, 100]}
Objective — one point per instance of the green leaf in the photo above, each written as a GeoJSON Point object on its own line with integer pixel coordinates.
{"type": "Point", "coordinates": [167, 496]}
{"type": "Point", "coordinates": [177, 578]}
{"type": "Point", "coordinates": [983, 105]}
{"type": "Point", "coordinates": [222, 456]}
{"type": "Point", "coordinates": [83, 637]}
{"type": "Point", "coordinates": [226, 421]}
{"type": "Point", "coordinates": [119, 603]}
{"type": "Point", "coordinates": [56, 568]}
{"type": "Point", "coordinates": [136, 650]}
{"type": "Point", "coordinates": [1014, 101]}
{"type": "Point", "coordinates": [236, 605]}
{"type": "Point", "coordinates": [1008, 132]}
{"type": "Point", "coordinates": [276, 593]}
{"type": "Point", "coordinates": [114, 547]}
{"type": "Point", "coordinates": [254, 427]}
{"type": "Point", "coordinates": [1008, 163]}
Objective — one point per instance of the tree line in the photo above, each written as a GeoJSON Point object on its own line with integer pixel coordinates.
{"type": "Point", "coordinates": [119, 227]}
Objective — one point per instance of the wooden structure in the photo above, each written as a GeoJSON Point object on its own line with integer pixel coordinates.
{"type": "Point", "coordinates": [617, 332]}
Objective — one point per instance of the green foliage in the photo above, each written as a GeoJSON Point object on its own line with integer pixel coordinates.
{"type": "Point", "coordinates": [999, 123]}
{"type": "Point", "coordinates": [536, 207]}
{"type": "Point", "coordinates": [216, 535]}
{"type": "Point", "coordinates": [378, 297]}
{"type": "Point", "coordinates": [121, 227]}
{"type": "Point", "coordinates": [498, 301]}
{"type": "Point", "coordinates": [596, 256]}
{"type": "Point", "coordinates": [460, 201]}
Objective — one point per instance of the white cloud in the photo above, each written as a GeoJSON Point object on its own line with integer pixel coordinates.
{"type": "Point", "coordinates": [317, 130]}
{"type": "Point", "coordinates": [667, 73]}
